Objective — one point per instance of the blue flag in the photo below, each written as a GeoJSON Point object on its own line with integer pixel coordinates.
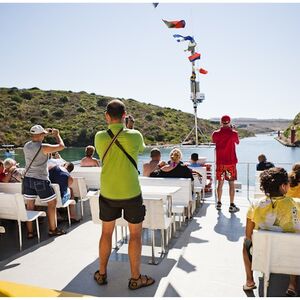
{"type": "Point", "coordinates": [181, 38]}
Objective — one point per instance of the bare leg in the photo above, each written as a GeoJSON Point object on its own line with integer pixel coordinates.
{"type": "Point", "coordinates": [30, 206]}
{"type": "Point", "coordinates": [105, 245]}
{"type": "Point", "coordinates": [293, 283]}
{"type": "Point", "coordinates": [135, 249]}
{"type": "Point", "coordinates": [73, 212]}
{"type": "Point", "coordinates": [220, 189]}
{"type": "Point", "coordinates": [51, 214]}
{"type": "Point", "coordinates": [231, 191]}
{"type": "Point", "coordinates": [247, 264]}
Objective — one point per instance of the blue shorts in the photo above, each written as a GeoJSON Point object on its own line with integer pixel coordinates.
{"type": "Point", "coordinates": [66, 196]}
{"type": "Point", "coordinates": [36, 187]}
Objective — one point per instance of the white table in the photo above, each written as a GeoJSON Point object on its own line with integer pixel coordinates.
{"type": "Point", "coordinates": [161, 191]}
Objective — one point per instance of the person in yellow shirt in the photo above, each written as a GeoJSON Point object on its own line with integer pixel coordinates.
{"type": "Point", "coordinates": [276, 212]}
{"type": "Point", "coordinates": [294, 191]}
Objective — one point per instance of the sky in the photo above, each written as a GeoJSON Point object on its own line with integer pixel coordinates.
{"type": "Point", "coordinates": [251, 52]}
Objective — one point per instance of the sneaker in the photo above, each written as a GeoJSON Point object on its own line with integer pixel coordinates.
{"type": "Point", "coordinates": [219, 206]}
{"type": "Point", "coordinates": [233, 209]}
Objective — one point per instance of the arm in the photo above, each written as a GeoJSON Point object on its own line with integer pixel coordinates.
{"type": "Point", "coordinates": [249, 229]}
{"type": "Point", "coordinates": [70, 181]}
{"type": "Point", "coordinates": [47, 148]}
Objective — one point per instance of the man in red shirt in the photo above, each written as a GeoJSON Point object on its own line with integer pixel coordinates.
{"type": "Point", "coordinates": [225, 139]}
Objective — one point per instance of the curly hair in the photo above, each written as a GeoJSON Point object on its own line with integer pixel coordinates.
{"type": "Point", "coordinates": [294, 175]}
{"type": "Point", "coordinates": [272, 179]}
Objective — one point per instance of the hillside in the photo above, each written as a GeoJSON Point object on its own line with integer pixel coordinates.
{"type": "Point", "coordinates": [258, 126]}
{"type": "Point", "coordinates": [80, 115]}
{"type": "Point", "coordinates": [296, 124]}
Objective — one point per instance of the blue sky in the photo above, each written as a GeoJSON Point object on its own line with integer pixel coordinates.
{"type": "Point", "coordinates": [252, 53]}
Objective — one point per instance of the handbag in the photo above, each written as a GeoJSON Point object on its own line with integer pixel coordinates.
{"type": "Point", "coordinates": [24, 174]}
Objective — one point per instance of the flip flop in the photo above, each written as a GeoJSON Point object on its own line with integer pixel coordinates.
{"type": "Point", "coordinates": [291, 293]}
{"type": "Point", "coordinates": [101, 279]}
{"type": "Point", "coordinates": [249, 287]}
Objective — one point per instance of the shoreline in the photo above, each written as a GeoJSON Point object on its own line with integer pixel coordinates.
{"type": "Point", "coordinates": [285, 143]}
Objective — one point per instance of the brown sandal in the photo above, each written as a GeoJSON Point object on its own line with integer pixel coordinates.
{"type": "Point", "coordinates": [101, 279]}
{"type": "Point", "coordinates": [142, 281]}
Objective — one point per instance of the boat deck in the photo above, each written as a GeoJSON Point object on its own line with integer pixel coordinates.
{"type": "Point", "coordinates": [205, 259]}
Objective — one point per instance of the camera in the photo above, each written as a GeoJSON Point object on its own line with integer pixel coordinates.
{"type": "Point", "coordinates": [50, 130]}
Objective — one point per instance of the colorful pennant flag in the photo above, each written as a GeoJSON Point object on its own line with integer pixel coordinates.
{"type": "Point", "coordinates": [181, 38]}
{"type": "Point", "coordinates": [175, 24]}
{"type": "Point", "coordinates": [194, 57]}
{"type": "Point", "coordinates": [191, 47]}
{"type": "Point", "coordinates": [203, 71]}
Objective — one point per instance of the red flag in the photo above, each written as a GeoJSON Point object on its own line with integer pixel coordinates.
{"type": "Point", "coordinates": [175, 24]}
{"type": "Point", "coordinates": [194, 57]}
{"type": "Point", "coordinates": [203, 71]}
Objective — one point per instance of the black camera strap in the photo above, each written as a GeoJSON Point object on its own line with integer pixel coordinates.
{"type": "Point", "coordinates": [122, 148]}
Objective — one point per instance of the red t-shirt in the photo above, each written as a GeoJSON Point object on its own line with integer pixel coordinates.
{"type": "Point", "coordinates": [225, 139]}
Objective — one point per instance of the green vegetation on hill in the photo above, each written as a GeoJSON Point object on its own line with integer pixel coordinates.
{"type": "Point", "coordinates": [296, 125]}
{"type": "Point", "coordinates": [80, 115]}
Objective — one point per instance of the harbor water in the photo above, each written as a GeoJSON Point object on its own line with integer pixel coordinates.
{"type": "Point", "coordinates": [247, 152]}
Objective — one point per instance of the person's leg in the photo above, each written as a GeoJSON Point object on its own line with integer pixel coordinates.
{"type": "Point", "coordinates": [105, 245]}
{"type": "Point", "coordinates": [247, 263]}
{"type": "Point", "coordinates": [231, 191]}
{"type": "Point", "coordinates": [29, 206]}
{"type": "Point", "coordinates": [292, 288]}
{"type": "Point", "coordinates": [135, 248]}
{"type": "Point", "coordinates": [220, 190]}
{"type": "Point", "coordinates": [51, 215]}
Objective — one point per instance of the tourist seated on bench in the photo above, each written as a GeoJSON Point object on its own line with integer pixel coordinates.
{"type": "Point", "coordinates": [55, 159]}
{"type": "Point", "coordinates": [175, 168]}
{"type": "Point", "coordinates": [194, 161]}
{"type": "Point", "coordinates": [61, 176]}
{"type": "Point", "coordinates": [2, 173]}
{"type": "Point", "coordinates": [263, 164]}
{"type": "Point", "coordinates": [277, 212]}
{"type": "Point", "coordinates": [89, 160]}
{"type": "Point", "coordinates": [154, 164]}
{"type": "Point", "coordinates": [12, 173]}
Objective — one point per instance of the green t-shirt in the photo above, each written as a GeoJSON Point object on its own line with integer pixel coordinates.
{"type": "Point", "coordinates": [119, 177]}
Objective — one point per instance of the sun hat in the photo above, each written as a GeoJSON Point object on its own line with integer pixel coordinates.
{"type": "Point", "coordinates": [37, 129]}
{"type": "Point", "coordinates": [225, 119]}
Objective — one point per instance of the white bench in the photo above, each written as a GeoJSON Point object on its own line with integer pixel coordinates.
{"type": "Point", "coordinates": [16, 188]}
{"type": "Point", "coordinates": [12, 207]}
{"type": "Point", "coordinates": [90, 174]}
{"type": "Point", "coordinates": [275, 252]}
{"type": "Point", "coordinates": [182, 199]}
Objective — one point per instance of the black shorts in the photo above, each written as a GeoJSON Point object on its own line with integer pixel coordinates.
{"type": "Point", "coordinates": [134, 210]}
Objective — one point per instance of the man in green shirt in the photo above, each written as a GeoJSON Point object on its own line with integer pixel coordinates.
{"type": "Point", "coordinates": [120, 190]}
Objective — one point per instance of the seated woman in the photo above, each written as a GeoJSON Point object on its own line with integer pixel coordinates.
{"type": "Point", "coordinates": [175, 168]}
{"type": "Point", "coordinates": [88, 160]}
{"type": "Point", "coordinates": [12, 173]}
{"type": "Point", "coordinates": [276, 212]}
{"type": "Point", "coordinates": [294, 191]}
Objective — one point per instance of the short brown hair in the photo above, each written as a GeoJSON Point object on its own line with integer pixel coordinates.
{"type": "Point", "coordinates": [154, 152]}
{"type": "Point", "coordinates": [116, 109]}
{"type": "Point", "coordinates": [89, 151]}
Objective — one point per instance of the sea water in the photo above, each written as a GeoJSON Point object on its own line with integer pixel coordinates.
{"type": "Point", "coordinates": [247, 152]}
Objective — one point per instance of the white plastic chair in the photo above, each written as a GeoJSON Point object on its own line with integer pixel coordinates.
{"type": "Point", "coordinates": [275, 252]}
{"type": "Point", "coordinates": [80, 191]}
{"type": "Point", "coordinates": [12, 207]}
